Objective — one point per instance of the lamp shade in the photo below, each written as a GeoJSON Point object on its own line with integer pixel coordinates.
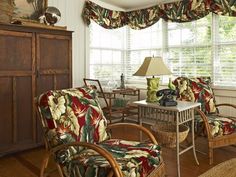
{"type": "Point", "coordinates": [153, 66]}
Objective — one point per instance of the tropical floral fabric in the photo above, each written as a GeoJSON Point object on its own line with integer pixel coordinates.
{"type": "Point", "coordinates": [220, 125]}
{"type": "Point", "coordinates": [199, 90]}
{"type": "Point", "coordinates": [196, 90]}
{"type": "Point", "coordinates": [104, 17]}
{"type": "Point", "coordinates": [135, 159]}
{"type": "Point", "coordinates": [143, 18]}
{"type": "Point", "coordinates": [74, 115]}
{"type": "Point", "coordinates": [182, 11]}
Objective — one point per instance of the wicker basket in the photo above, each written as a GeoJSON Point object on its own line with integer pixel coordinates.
{"type": "Point", "coordinates": [166, 133]}
{"type": "Point", "coordinates": [6, 11]}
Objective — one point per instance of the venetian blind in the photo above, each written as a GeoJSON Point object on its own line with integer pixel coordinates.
{"type": "Point", "coordinates": [224, 72]}
{"type": "Point", "coordinates": [189, 48]}
{"type": "Point", "coordinates": [206, 47]}
{"type": "Point", "coordinates": [106, 52]}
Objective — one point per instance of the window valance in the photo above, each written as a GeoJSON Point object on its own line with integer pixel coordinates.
{"type": "Point", "coordinates": [182, 11]}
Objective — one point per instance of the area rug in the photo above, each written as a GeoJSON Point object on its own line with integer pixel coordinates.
{"type": "Point", "coordinates": [224, 169]}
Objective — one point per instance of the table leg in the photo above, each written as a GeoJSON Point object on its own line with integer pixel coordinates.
{"type": "Point", "coordinates": [193, 141]}
{"type": "Point", "coordinates": [177, 146]}
{"type": "Point", "coordinates": [140, 109]}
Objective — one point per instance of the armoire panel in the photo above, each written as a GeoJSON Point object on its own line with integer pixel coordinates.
{"type": "Point", "coordinates": [54, 53]}
{"type": "Point", "coordinates": [16, 51]}
{"type": "Point", "coordinates": [25, 122]}
{"type": "Point", "coordinates": [62, 81]}
{"type": "Point", "coordinates": [44, 83]}
{"type": "Point", "coordinates": [6, 109]}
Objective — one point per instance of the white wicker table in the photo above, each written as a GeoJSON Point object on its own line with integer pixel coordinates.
{"type": "Point", "coordinates": [180, 114]}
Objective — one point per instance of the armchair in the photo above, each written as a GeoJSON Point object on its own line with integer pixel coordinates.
{"type": "Point", "coordinates": [75, 133]}
{"type": "Point", "coordinates": [220, 129]}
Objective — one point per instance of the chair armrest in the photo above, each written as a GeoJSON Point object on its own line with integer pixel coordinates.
{"type": "Point", "coordinates": [98, 149]}
{"type": "Point", "coordinates": [226, 104]}
{"type": "Point", "coordinates": [206, 123]}
{"type": "Point", "coordinates": [139, 127]}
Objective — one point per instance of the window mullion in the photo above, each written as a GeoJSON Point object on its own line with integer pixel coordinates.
{"type": "Point", "coordinates": [215, 43]}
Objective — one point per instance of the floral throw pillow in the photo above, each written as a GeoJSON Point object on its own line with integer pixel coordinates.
{"type": "Point", "coordinates": [196, 90]}
{"type": "Point", "coordinates": [72, 115]}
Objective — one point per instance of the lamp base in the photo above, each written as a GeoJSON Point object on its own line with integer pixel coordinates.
{"type": "Point", "coordinates": [152, 87]}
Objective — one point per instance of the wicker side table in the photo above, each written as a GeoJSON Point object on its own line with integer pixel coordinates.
{"type": "Point", "coordinates": [180, 114]}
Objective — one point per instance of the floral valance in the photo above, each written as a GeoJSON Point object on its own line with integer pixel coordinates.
{"type": "Point", "coordinates": [182, 11]}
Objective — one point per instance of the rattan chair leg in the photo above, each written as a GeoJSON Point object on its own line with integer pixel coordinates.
{"type": "Point", "coordinates": [111, 173]}
{"type": "Point", "coordinates": [44, 164]}
{"type": "Point", "coordinates": [210, 156]}
{"type": "Point", "coordinates": [60, 170]}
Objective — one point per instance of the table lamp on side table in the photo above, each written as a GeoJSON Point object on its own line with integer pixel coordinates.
{"type": "Point", "coordinates": [152, 66]}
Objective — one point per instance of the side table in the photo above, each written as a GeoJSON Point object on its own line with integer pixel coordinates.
{"type": "Point", "coordinates": [125, 110]}
{"type": "Point", "coordinates": [180, 114]}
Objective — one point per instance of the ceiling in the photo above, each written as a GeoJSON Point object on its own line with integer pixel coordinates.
{"type": "Point", "coordinates": [135, 4]}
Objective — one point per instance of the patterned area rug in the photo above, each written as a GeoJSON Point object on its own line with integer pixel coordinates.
{"type": "Point", "coordinates": [224, 169]}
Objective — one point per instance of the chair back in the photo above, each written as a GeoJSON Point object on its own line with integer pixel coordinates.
{"type": "Point", "coordinates": [71, 115]}
{"type": "Point", "coordinates": [196, 90]}
{"type": "Point", "coordinates": [95, 83]}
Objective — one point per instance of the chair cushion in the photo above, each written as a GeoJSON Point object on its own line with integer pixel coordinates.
{"type": "Point", "coordinates": [196, 90]}
{"type": "Point", "coordinates": [135, 158]}
{"type": "Point", "coordinates": [70, 114]}
{"type": "Point", "coordinates": [220, 125]}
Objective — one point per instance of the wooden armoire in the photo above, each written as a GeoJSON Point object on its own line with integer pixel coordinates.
{"type": "Point", "coordinates": [32, 60]}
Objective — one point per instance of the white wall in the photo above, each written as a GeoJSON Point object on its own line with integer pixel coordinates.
{"type": "Point", "coordinates": [71, 11]}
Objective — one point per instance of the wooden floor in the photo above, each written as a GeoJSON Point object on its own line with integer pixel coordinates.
{"type": "Point", "coordinates": [27, 164]}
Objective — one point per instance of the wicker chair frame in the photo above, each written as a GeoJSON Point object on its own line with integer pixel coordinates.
{"type": "Point", "coordinates": [219, 141]}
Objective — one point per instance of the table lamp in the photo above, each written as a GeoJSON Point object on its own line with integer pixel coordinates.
{"type": "Point", "coordinates": [152, 66]}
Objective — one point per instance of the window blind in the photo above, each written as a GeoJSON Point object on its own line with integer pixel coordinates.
{"type": "Point", "coordinates": [224, 72]}
{"type": "Point", "coordinates": [106, 53]}
{"type": "Point", "coordinates": [206, 47]}
{"type": "Point", "coordinates": [141, 44]}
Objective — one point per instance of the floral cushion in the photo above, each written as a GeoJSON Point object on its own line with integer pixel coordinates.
{"type": "Point", "coordinates": [72, 115]}
{"type": "Point", "coordinates": [199, 90]}
{"type": "Point", "coordinates": [135, 159]}
{"type": "Point", "coordinates": [196, 90]}
{"type": "Point", "coordinates": [220, 125]}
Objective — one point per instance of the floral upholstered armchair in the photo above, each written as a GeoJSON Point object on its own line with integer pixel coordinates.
{"type": "Point", "coordinates": [220, 129]}
{"type": "Point", "coordinates": [75, 132]}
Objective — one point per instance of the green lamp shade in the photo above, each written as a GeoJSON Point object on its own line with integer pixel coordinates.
{"type": "Point", "coordinates": [152, 87]}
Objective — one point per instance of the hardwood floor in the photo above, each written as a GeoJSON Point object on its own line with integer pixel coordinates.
{"type": "Point", "coordinates": [27, 164]}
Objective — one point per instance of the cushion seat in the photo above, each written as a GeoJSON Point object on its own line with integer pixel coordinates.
{"type": "Point", "coordinates": [134, 158]}
{"type": "Point", "coordinates": [221, 125]}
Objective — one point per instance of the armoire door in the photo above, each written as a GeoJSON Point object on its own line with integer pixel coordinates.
{"type": "Point", "coordinates": [53, 63]}
{"type": "Point", "coordinates": [17, 80]}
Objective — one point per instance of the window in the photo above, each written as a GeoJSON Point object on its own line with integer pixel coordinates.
{"type": "Point", "coordinates": [206, 47]}
{"type": "Point", "coordinates": [141, 44]}
{"type": "Point", "coordinates": [189, 48]}
{"type": "Point", "coordinates": [224, 72]}
{"type": "Point", "coordinates": [106, 55]}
